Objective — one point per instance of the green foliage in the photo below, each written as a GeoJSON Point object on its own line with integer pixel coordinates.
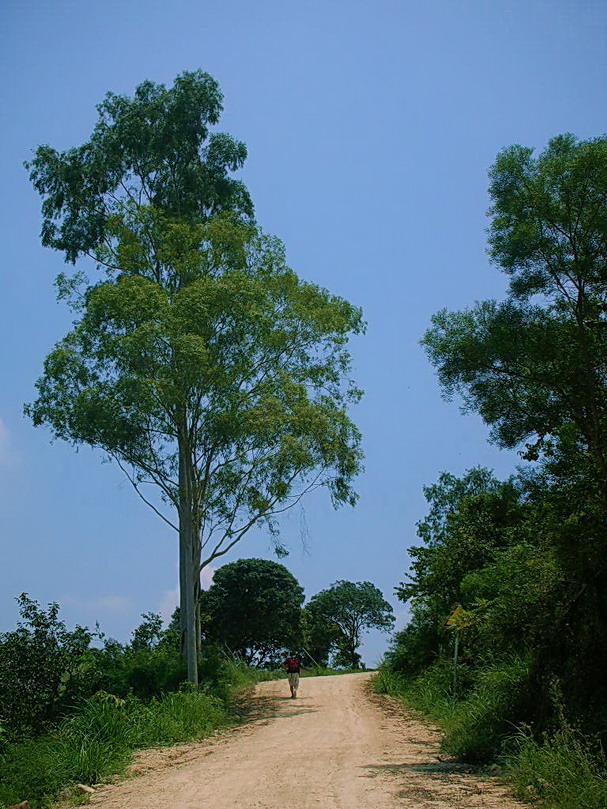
{"type": "Point", "coordinates": [416, 646]}
{"type": "Point", "coordinates": [519, 598]}
{"type": "Point", "coordinates": [523, 560]}
{"type": "Point", "coordinates": [429, 692]}
{"type": "Point", "coordinates": [98, 740]}
{"type": "Point", "coordinates": [471, 528]}
{"type": "Point", "coordinates": [38, 769]}
{"type": "Point", "coordinates": [155, 148]}
{"type": "Point", "coordinates": [46, 670]}
{"type": "Point", "coordinates": [149, 666]}
{"type": "Point", "coordinates": [43, 668]}
{"type": "Point", "coordinates": [178, 717]}
{"type": "Point", "coordinates": [146, 673]}
{"type": "Point", "coordinates": [224, 677]}
{"type": "Point", "coordinates": [250, 355]}
{"type": "Point", "coordinates": [565, 770]}
{"type": "Point", "coordinates": [202, 364]}
{"type": "Point", "coordinates": [148, 633]}
{"type": "Point", "coordinates": [509, 557]}
{"type": "Point", "coordinates": [469, 519]}
{"type": "Point", "coordinates": [350, 608]}
{"type": "Point", "coordinates": [253, 610]}
{"type": "Point", "coordinates": [548, 217]}
{"type": "Point", "coordinates": [320, 636]}
{"type": "Point", "coordinates": [534, 366]}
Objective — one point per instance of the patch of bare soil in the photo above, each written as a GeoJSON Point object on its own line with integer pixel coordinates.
{"type": "Point", "coordinates": [337, 746]}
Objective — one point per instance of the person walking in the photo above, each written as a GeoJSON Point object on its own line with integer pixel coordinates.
{"type": "Point", "coordinates": [293, 667]}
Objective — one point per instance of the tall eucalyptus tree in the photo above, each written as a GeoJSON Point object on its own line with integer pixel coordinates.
{"type": "Point", "coordinates": [201, 363]}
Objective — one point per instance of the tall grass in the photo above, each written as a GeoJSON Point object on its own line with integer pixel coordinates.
{"type": "Point", "coordinates": [563, 771]}
{"type": "Point", "coordinates": [429, 692]}
{"type": "Point", "coordinates": [500, 700]}
{"type": "Point", "coordinates": [98, 740]}
{"type": "Point", "coordinates": [495, 700]}
{"type": "Point", "coordinates": [37, 770]}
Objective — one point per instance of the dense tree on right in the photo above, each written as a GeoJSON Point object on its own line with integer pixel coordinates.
{"type": "Point", "coordinates": [523, 561]}
{"type": "Point", "coordinates": [534, 366]}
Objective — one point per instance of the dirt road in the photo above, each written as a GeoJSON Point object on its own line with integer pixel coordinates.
{"type": "Point", "coordinates": [337, 746]}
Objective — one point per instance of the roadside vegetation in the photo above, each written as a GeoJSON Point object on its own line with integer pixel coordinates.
{"type": "Point", "coordinates": [97, 741]}
{"type": "Point", "coordinates": [506, 646]}
{"type": "Point", "coordinates": [77, 704]}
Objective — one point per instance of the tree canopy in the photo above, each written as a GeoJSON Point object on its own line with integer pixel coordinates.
{"type": "Point", "coordinates": [253, 610]}
{"type": "Point", "coordinates": [515, 570]}
{"type": "Point", "coordinates": [534, 366]}
{"type": "Point", "coordinates": [351, 608]}
{"type": "Point", "coordinates": [202, 364]}
{"type": "Point", "coordinates": [154, 150]}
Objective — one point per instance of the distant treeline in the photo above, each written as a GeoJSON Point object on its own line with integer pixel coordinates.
{"type": "Point", "coordinates": [252, 614]}
{"type": "Point", "coordinates": [74, 704]}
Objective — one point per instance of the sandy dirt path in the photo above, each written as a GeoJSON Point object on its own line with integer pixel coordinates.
{"type": "Point", "coordinates": [337, 746]}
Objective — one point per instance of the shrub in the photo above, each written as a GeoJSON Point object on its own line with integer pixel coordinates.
{"type": "Point", "coordinates": [97, 742]}
{"type": "Point", "coordinates": [144, 672]}
{"type": "Point", "coordinates": [42, 668]}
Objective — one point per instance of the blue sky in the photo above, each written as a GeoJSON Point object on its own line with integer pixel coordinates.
{"type": "Point", "coordinates": [370, 128]}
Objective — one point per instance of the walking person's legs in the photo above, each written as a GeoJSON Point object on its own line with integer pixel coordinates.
{"type": "Point", "coordinates": [293, 684]}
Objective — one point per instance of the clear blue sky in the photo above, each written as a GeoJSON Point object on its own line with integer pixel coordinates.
{"type": "Point", "coordinates": [370, 128]}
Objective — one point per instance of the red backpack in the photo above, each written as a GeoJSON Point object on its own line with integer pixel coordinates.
{"type": "Point", "coordinates": [292, 664]}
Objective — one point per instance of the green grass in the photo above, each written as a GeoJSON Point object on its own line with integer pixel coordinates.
{"type": "Point", "coordinates": [37, 770]}
{"type": "Point", "coordinates": [474, 726]}
{"type": "Point", "coordinates": [564, 771]}
{"type": "Point", "coordinates": [98, 740]}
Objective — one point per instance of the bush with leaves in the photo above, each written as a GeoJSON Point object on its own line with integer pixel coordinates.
{"type": "Point", "coordinates": [44, 668]}
{"type": "Point", "coordinates": [147, 667]}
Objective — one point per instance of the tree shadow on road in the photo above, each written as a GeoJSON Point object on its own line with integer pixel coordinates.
{"type": "Point", "coordinates": [430, 768]}
{"type": "Point", "coordinates": [261, 708]}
